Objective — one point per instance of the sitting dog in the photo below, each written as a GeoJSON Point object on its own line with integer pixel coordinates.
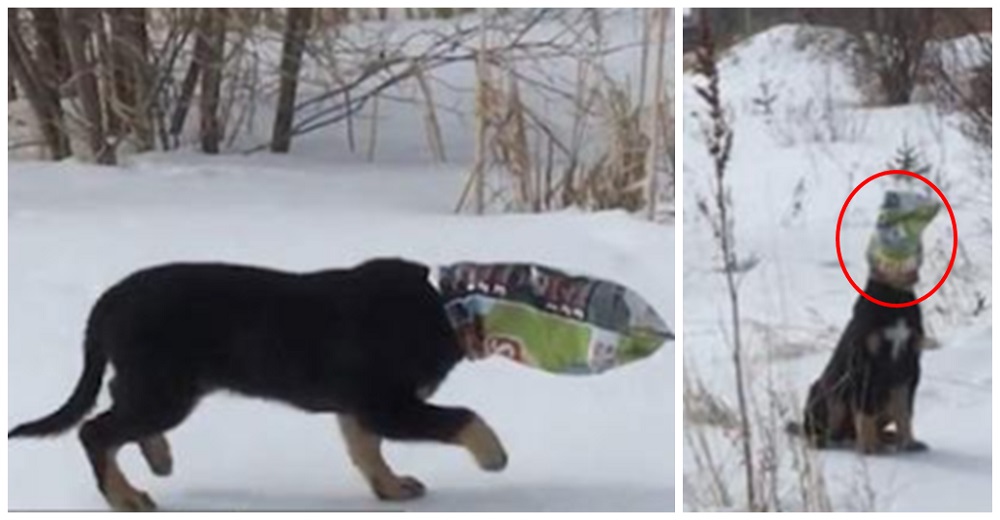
{"type": "Point", "coordinates": [869, 383]}
{"type": "Point", "coordinates": [369, 344]}
{"type": "Point", "coordinates": [866, 392]}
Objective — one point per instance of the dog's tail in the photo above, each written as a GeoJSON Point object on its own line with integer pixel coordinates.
{"type": "Point", "coordinates": [83, 399]}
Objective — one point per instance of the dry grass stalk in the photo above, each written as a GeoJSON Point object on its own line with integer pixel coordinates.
{"type": "Point", "coordinates": [373, 130]}
{"type": "Point", "coordinates": [433, 128]}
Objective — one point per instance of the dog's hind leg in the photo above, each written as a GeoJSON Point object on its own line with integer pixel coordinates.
{"type": "Point", "coordinates": [140, 414]}
{"type": "Point", "coordinates": [155, 448]}
{"type": "Point", "coordinates": [413, 419]}
{"type": "Point", "coordinates": [102, 437]}
{"type": "Point", "coordinates": [866, 429]}
{"type": "Point", "coordinates": [365, 450]}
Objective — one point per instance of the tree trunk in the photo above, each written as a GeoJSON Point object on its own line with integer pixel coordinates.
{"type": "Point", "coordinates": [76, 28]}
{"type": "Point", "coordinates": [187, 90]}
{"type": "Point", "coordinates": [122, 80]}
{"type": "Point", "coordinates": [11, 89]}
{"type": "Point", "coordinates": [893, 41]}
{"type": "Point", "coordinates": [340, 16]}
{"type": "Point", "coordinates": [190, 82]}
{"type": "Point", "coordinates": [52, 71]}
{"type": "Point", "coordinates": [145, 93]}
{"type": "Point", "coordinates": [41, 95]}
{"type": "Point", "coordinates": [108, 64]}
{"type": "Point", "coordinates": [212, 32]}
{"type": "Point", "coordinates": [50, 43]}
{"type": "Point", "coordinates": [131, 73]}
{"type": "Point", "coordinates": [296, 28]}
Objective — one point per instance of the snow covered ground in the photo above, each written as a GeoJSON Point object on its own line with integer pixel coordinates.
{"type": "Point", "coordinates": [576, 443]}
{"type": "Point", "coordinates": [791, 172]}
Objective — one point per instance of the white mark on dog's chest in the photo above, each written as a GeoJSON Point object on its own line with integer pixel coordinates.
{"type": "Point", "coordinates": [899, 336]}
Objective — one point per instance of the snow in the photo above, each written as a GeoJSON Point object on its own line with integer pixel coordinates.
{"type": "Point", "coordinates": [575, 443]}
{"type": "Point", "coordinates": [790, 173]}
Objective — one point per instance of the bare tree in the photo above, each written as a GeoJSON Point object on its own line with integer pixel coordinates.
{"type": "Point", "coordinates": [190, 82]}
{"type": "Point", "coordinates": [890, 45]}
{"type": "Point", "coordinates": [963, 78]}
{"type": "Point", "coordinates": [130, 94]}
{"type": "Point", "coordinates": [78, 24]}
{"type": "Point", "coordinates": [212, 34]}
{"type": "Point", "coordinates": [296, 29]}
{"type": "Point", "coordinates": [40, 84]}
{"type": "Point", "coordinates": [50, 44]}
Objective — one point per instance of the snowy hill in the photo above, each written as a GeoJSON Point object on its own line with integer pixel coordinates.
{"type": "Point", "coordinates": [793, 165]}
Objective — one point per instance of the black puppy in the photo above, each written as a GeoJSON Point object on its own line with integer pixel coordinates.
{"type": "Point", "coordinates": [865, 394]}
{"type": "Point", "coordinates": [370, 344]}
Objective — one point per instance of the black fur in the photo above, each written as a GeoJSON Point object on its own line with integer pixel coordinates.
{"type": "Point", "coordinates": [860, 378]}
{"type": "Point", "coordinates": [368, 341]}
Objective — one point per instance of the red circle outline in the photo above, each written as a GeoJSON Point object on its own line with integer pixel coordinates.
{"type": "Point", "coordinates": [954, 247]}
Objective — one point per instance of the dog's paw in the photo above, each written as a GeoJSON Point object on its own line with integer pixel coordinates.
{"type": "Point", "coordinates": [134, 502]}
{"type": "Point", "coordinates": [875, 448]}
{"type": "Point", "coordinates": [156, 451]}
{"type": "Point", "coordinates": [398, 488]}
{"type": "Point", "coordinates": [495, 461]}
{"type": "Point", "coordinates": [914, 446]}
{"type": "Point", "coordinates": [484, 445]}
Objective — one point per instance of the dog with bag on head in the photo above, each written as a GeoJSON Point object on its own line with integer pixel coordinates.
{"type": "Point", "coordinates": [369, 344]}
{"type": "Point", "coordinates": [865, 395]}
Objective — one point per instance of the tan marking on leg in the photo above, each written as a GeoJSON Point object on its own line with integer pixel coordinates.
{"type": "Point", "coordinates": [484, 445]}
{"type": "Point", "coordinates": [899, 410]}
{"type": "Point", "coordinates": [365, 450]}
{"type": "Point", "coordinates": [156, 451]}
{"type": "Point", "coordinates": [119, 493]}
{"type": "Point", "coordinates": [866, 428]}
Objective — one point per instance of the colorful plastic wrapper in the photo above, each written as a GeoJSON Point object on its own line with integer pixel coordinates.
{"type": "Point", "coordinates": [548, 319]}
{"type": "Point", "coordinates": [895, 248]}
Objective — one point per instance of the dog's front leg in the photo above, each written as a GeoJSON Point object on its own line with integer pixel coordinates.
{"type": "Point", "coordinates": [483, 443]}
{"type": "Point", "coordinates": [410, 419]}
{"type": "Point", "coordinates": [365, 450]}
{"type": "Point", "coordinates": [899, 410]}
{"type": "Point", "coordinates": [900, 403]}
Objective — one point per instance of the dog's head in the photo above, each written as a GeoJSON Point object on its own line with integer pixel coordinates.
{"type": "Point", "coordinates": [895, 251]}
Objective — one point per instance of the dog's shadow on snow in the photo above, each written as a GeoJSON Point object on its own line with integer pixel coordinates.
{"type": "Point", "coordinates": [547, 497]}
{"type": "Point", "coordinates": [951, 459]}
{"type": "Point", "coordinates": [506, 497]}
